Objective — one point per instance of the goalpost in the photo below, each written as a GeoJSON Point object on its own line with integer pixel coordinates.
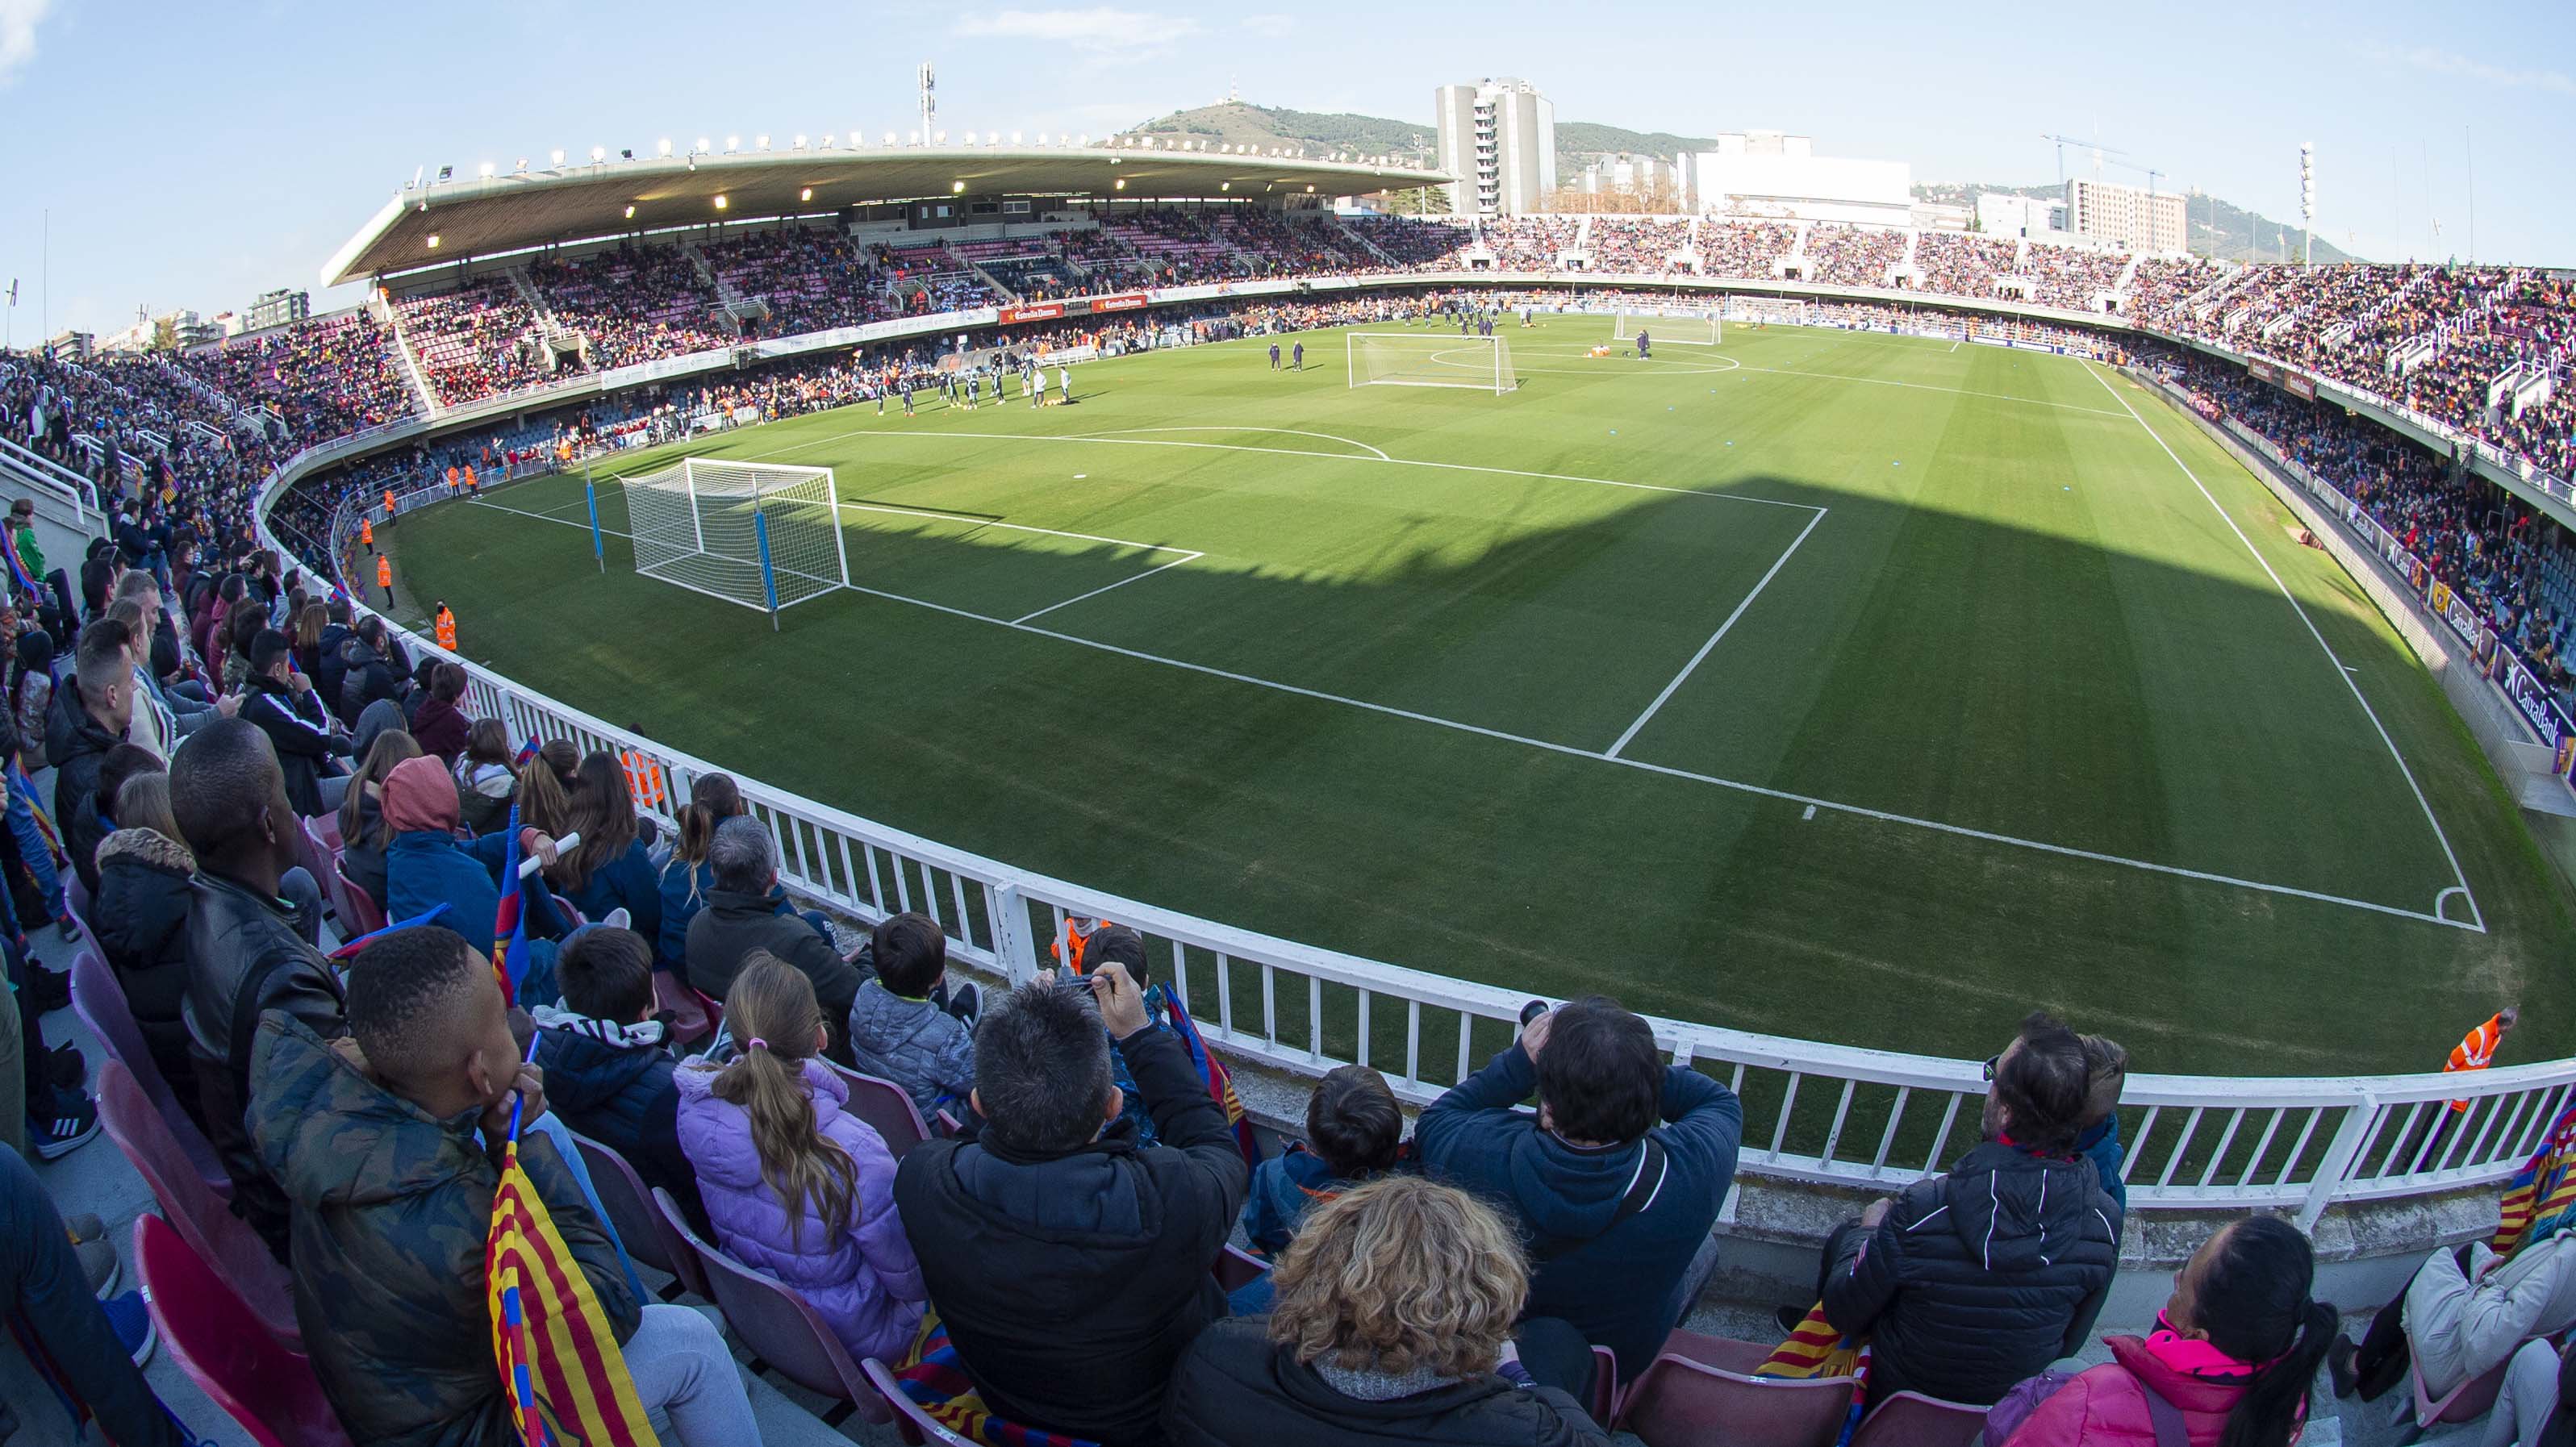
{"type": "Point", "coordinates": [1689, 328]}
{"type": "Point", "coordinates": [1767, 309]}
{"type": "Point", "coordinates": [761, 534]}
{"type": "Point", "coordinates": [1418, 359]}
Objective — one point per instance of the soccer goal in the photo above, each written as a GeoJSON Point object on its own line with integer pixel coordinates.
{"type": "Point", "coordinates": [1767, 309]}
{"type": "Point", "coordinates": [1398, 359]}
{"type": "Point", "coordinates": [760, 534]}
{"type": "Point", "coordinates": [1690, 329]}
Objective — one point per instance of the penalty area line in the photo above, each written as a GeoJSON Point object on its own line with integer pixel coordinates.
{"type": "Point", "coordinates": [1710, 646]}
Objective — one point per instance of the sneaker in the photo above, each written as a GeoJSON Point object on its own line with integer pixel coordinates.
{"type": "Point", "coordinates": [2339, 1364]}
{"type": "Point", "coordinates": [67, 927]}
{"type": "Point", "coordinates": [618, 918]}
{"type": "Point", "coordinates": [47, 990]}
{"type": "Point", "coordinates": [965, 1002]}
{"type": "Point", "coordinates": [98, 1263]}
{"type": "Point", "coordinates": [64, 1068]}
{"type": "Point", "coordinates": [74, 1119]}
{"type": "Point", "coordinates": [133, 1322]}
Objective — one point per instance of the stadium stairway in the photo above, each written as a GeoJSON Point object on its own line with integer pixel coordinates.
{"type": "Point", "coordinates": [64, 527]}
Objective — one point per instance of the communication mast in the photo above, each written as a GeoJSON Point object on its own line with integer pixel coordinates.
{"type": "Point", "coordinates": [2307, 202]}
{"type": "Point", "coordinates": [929, 102]}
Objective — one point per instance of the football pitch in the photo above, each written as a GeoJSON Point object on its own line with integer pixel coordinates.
{"type": "Point", "coordinates": [1836, 685]}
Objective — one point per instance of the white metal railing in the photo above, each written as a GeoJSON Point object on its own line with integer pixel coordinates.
{"type": "Point", "coordinates": [1814, 1112]}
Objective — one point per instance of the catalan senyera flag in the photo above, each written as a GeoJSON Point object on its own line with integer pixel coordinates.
{"type": "Point", "coordinates": [1220, 1083]}
{"type": "Point", "coordinates": [1815, 1351]}
{"type": "Point", "coordinates": [26, 788]}
{"type": "Point", "coordinates": [510, 926]}
{"type": "Point", "coordinates": [2541, 1198]}
{"type": "Point", "coordinates": [558, 1355]}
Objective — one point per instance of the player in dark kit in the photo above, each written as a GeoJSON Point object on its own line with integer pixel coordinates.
{"type": "Point", "coordinates": [1641, 346]}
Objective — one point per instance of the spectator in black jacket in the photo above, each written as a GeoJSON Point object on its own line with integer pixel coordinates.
{"type": "Point", "coordinates": [1393, 1322]}
{"type": "Point", "coordinates": [142, 922]}
{"type": "Point", "coordinates": [747, 912]}
{"type": "Point", "coordinates": [282, 702]}
{"type": "Point", "coordinates": [334, 667]}
{"type": "Point", "coordinates": [371, 669]}
{"type": "Point", "coordinates": [1969, 1282]}
{"type": "Point", "coordinates": [608, 1062]}
{"type": "Point", "coordinates": [87, 720]}
{"type": "Point", "coordinates": [1069, 1267]}
{"type": "Point", "coordinates": [249, 951]}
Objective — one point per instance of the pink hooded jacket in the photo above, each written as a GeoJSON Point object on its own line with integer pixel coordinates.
{"type": "Point", "coordinates": [2103, 1407]}
{"type": "Point", "coordinates": [859, 1274]}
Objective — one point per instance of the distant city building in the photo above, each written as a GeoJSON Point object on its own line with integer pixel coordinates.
{"type": "Point", "coordinates": [276, 309]}
{"type": "Point", "coordinates": [2126, 216]}
{"type": "Point", "coordinates": [1770, 173]}
{"type": "Point", "coordinates": [1498, 137]}
{"type": "Point", "coordinates": [73, 344]}
{"type": "Point", "coordinates": [2002, 214]}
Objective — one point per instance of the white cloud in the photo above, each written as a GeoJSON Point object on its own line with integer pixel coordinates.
{"type": "Point", "coordinates": [18, 19]}
{"type": "Point", "coordinates": [1271, 27]}
{"type": "Point", "coordinates": [1101, 33]}
{"type": "Point", "coordinates": [2451, 63]}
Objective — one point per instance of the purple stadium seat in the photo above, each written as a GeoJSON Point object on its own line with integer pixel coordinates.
{"type": "Point", "coordinates": [75, 893]}
{"type": "Point", "coordinates": [326, 827]}
{"type": "Point", "coordinates": [1702, 1389]}
{"type": "Point", "coordinates": [363, 918]}
{"type": "Point", "coordinates": [687, 1008]}
{"type": "Point", "coordinates": [630, 1208]}
{"type": "Point", "coordinates": [1911, 1419]}
{"type": "Point", "coordinates": [201, 1218]}
{"type": "Point", "coordinates": [2470, 1400]}
{"type": "Point", "coordinates": [319, 858]}
{"type": "Point", "coordinates": [885, 1106]}
{"type": "Point", "coordinates": [79, 907]}
{"type": "Point", "coordinates": [1237, 1268]}
{"type": "Point", "coordinates": [913, 1424]}
{"type": "Point", "coordinates": [98, 997]}
{"type": "Point", "coordinates": [777, 1325]}
{"type": "Point", "coordinates": [681, 1243]}
{"type": "Point", "coordinates": [264, 1385]}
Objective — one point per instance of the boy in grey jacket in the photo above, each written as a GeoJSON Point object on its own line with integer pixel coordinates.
{"type": "Point", "coordinates": [906, 1026]}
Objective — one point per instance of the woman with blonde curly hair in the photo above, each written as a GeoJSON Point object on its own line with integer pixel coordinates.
{"type": "Point", "coordinates": [1394, 1321]}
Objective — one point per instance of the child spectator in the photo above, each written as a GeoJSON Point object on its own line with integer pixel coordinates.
{"type": "Point", "coordinates": [2107, 1070]}
{"type": "Point", "coordinates": [363, 833]}
{"type": "Point", "coordinates": [485, 780]}
{"type": "Point", "coordinates": [1116, 942]}
{"type": "Point", "coordinates": [899, 1029]}
{"type": "Point", "coordinates": [608, 1062]}
{"type": "Point", "coordinates": [686, 875]}
{"type": "Point", "coordinates": [1354, 1134]}
{"type": "Point", "coordinates": [612, 868]}
{"type": "Point", "coordinates": [795, 1186]}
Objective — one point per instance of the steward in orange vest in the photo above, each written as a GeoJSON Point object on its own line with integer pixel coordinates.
{"type": "Point", "coordinates": [2477, 1050]}
{"type": "Point", "coordinates": [643, 778]}
{"type": "Point", "coordinates": [385, 576]}
{"type": "Point", "coordinates": [446, 625]}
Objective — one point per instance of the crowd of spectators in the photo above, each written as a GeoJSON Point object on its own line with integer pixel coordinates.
{"type": "Point", "coordinates": [1749, 249]}
{"type": "Point", "coordinates": [331, 375]}
{"type": "Point", "coordinates": [631, 304]}
{"type": "Point", "coordinates": [807, 279]}
{"type": "Point", "coordinates": [1961, 264]}
{"type": "Point", "coordinates": [1529, 243]}
{"type": "Point", "coordinates": [1639, 245]}
{"type": "Point", "coordinates": [1852, 255]}
{"type": "Point", "coordinates": [2073, 277]}
{"type": "Point", "coordinates": [477, 340]}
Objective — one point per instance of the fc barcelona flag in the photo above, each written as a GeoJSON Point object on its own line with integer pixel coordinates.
{"type": "Point", "coordinates": [558, 1355]}
{"type": "Point", "coordinates": [2538, 1201]}
{"type": "Point", "coordinates": [1220, 1083]}
{"type": "Point", "coordinates": [510, 927]}
{"type": "Point", "coordinates": [19, 577]}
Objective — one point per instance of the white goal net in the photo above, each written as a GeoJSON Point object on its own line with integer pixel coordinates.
{"type": "Point", "coordinates": [1766, 309]}
{"type": "Point", "coordinates": [759, 534]}
{"type": "Point", "coordinates": [1687, 327]}
{"type": "Point", "coordinates": [1430, 359]}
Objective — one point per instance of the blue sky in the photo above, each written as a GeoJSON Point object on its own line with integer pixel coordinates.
{"type": "Point", "coordinates": [195, 154]}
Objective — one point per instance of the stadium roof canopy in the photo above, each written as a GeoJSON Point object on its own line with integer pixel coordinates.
{"type": "Point", "coordinates": [484, 216]}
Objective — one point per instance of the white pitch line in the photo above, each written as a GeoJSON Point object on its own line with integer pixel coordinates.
{"type": "Point", "coordinates": [1667, 771]}
{"type": "Point", "coordinates": [956, 517]}
{"type": "Point", "coordinates": [1377, 452]}
{"type": "Point", "coordinates": [1710, 646]}
{"type": "Point", "coordinates": [877, 434]}
{"type": "Point", "coordinates": [2478, 916]}
{"type": "Point", "coordinates": [1096, 592]}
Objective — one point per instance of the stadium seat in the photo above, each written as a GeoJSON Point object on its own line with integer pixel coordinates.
{"type": "Point", "coordinates": [320, 859]}
{"type": "Point", "coordinates": [1911, 1419]}
{"type": "Point", "coordinates": [680, 1242]}
{"type": "Point", "coordinates": [1701, 1389]}
{"type": "Point", "coordinates": [887, 1107]}
{"type": "Point", "coordinates": [265, 1385]}
{"type": "Point", "coordinates": [363, 917]}
{"type": "Point", "coordinates": [630, 1208]}
{"type": "Point", "coordinates": [88, 938]}
{"type": "Point", "coordinates": [201, 1218]}
{"type": "Point", "coordinates": [2467, 1402]}
{"type": "Point", "coordinates": [1237, 1268]}
{"type": "Point", "coordinates": [75, 893]}
{"type": "Point", "coordinates": [98, 997]}
{"type": "Point", "coordinates": [687, 1008]}
{"type": "Point", "coordinates": [778, 1326]}
{"type": "Point", "coordinates": [914, 1425]}
{"type": "Point", "coordinates": [326, 827]}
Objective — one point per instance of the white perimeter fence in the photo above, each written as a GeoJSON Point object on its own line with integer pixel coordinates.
{"type": "Point", "coordinates": [1814, 1112]}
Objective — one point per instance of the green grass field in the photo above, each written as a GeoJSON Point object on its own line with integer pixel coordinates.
{"type": "Point", "coordinates": [1843, 686]}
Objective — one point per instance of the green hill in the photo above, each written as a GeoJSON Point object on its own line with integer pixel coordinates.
{"type": "Point", "coordinates": [1236, 123]}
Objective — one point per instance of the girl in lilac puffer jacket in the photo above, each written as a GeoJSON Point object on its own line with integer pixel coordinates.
{"type": "Point", "coordinates": [795, 1187]}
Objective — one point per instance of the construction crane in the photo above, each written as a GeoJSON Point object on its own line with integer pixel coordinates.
{"type": "Point", "coordinates": [2099, 151]}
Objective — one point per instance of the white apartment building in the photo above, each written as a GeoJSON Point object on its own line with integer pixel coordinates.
{"type": "Point", "coordinates": [1771, 173]}
{"type": "Point", "coordinates": [1498, 137]}
{"type": "Point", "coordinates": [2126, 216]}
